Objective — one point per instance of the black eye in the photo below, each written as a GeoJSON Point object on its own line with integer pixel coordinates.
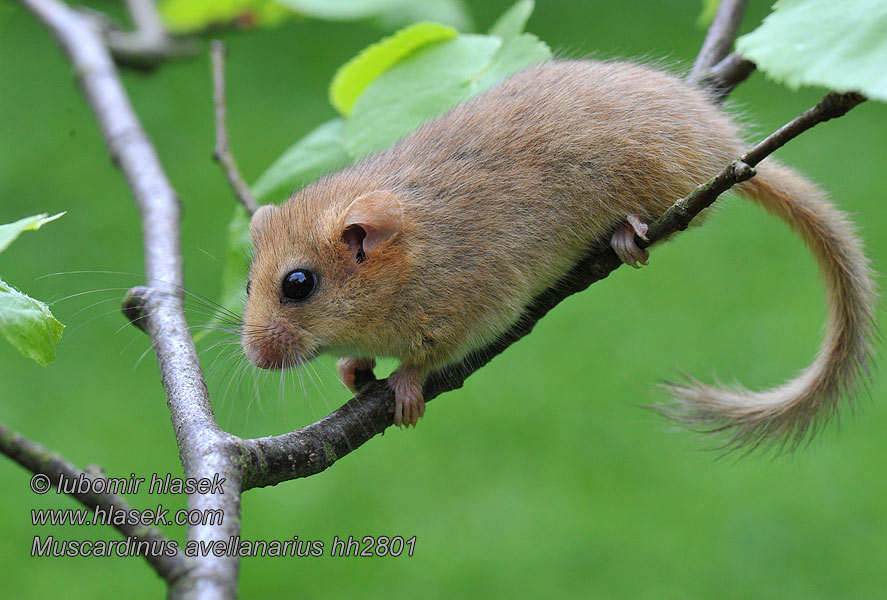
{"type": "Point", "coordinates": [298, 285]}
{"type": "Point", "coordinates": [247, 287]}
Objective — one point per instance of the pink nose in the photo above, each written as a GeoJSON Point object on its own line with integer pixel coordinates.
{"type": "Point", "coordinates": [273, 348]}
{"type": "Point", "coordinates": [268, 357]}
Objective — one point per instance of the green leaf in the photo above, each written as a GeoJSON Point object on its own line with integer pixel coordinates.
{"type": "Point", "coordinates": [318, 153]}
{"type": "Point", "coordinates": [189, 16]}
{"type": "Point", "coordinates": [341, 10]}
{"type": "Point", "coordinates": [839, 45]}
{"type": "Point", "coordinates": [423, 85]}
{"type": "Point", "coordinates": [518, 52]}
{"type": "Point", "coordinates": [707, 15]}
{"type": "Point", "coordinates": [432, 80]}
{"type": "Point", "coordinates": [449, 12]}
{"type": "Point", "coordinates": [28, 325]}
{"type": "Point", "coordinates": [10, 231]}
{"type": "Point", "coordinates": [354, 76]}
{"type": "Point", "coordinates": [513, 20]}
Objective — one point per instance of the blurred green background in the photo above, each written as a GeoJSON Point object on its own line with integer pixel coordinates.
{"type": "Point", "coordinates": [541, 476]}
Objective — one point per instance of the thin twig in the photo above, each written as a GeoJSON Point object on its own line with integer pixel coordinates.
{"type": "Point", "coordinates": [719, 38]}
{"type": "Point", "coordinates": [316, 447]}
{"type": "Point", "coordinates": [39, 460]}
{"type": "Point", "coordinates": [222, 153]}
{"type": "Point", "coordinates": [833, 105]}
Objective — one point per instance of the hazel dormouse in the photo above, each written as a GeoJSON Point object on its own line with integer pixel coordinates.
{"type": "Point", "coordinates": [435, 246]}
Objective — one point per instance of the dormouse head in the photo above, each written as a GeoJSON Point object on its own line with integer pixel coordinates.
{"type": "Point", "coordinates": [322, 269]}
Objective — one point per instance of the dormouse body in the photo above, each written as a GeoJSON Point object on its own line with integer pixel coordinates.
{"type": "Point", "coordinates": [434, 247]}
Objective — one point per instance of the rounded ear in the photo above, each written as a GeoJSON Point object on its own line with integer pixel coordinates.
{"type": "Point", "coordinates": [369, 221]}
{"type": "Point", "coordinates": [260, 217]}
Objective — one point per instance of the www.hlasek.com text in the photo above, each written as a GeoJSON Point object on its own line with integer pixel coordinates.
{"type": "Point", "coordinates": [112, 515]}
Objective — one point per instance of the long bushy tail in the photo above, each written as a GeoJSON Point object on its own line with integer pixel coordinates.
{"type": "Point", "coordinates": [785, 414]}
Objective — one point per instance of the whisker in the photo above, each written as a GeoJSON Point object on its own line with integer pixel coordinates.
{"type": "Point", "coordinates": [143, 355]}
{"type": "Point", "coordinates": [208, 303]}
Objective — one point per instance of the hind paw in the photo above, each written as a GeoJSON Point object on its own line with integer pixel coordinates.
{"type": "Point", "coordinates": [624, 245]}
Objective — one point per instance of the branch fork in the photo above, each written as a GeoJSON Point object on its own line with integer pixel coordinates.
{"type": "Point", "coordinates": [148, 45]}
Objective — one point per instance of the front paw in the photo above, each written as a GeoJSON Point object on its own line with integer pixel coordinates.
{"type": "Point", "coordinates": [409, 405]}
{"type": "Point", "coordinates": [348, 367]}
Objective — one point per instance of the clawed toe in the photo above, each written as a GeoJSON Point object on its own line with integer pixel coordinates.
{"type": "Point", "coordinates": [639, 227]}
{"type": "Point", "coordinates": [624, 245]}
{"type": "Point", "coordinates": [409, 405]}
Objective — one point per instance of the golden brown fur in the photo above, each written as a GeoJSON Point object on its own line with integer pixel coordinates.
{"type": "Point", "coordinates": [495, 200]}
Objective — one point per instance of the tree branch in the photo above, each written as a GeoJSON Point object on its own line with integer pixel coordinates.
{"type": "Point", "coordinates": [204, 449]}
{"type": "Point", "coordinates": [222, 153]}
{"type": "Point", "coordinates": [719, 39]}
{"type": "Point", "coordinates": [316, 447]}
{"type": "Point", "coordinates": [38, 459]}
{"type": "Point", "coordinates": [726, 75]}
